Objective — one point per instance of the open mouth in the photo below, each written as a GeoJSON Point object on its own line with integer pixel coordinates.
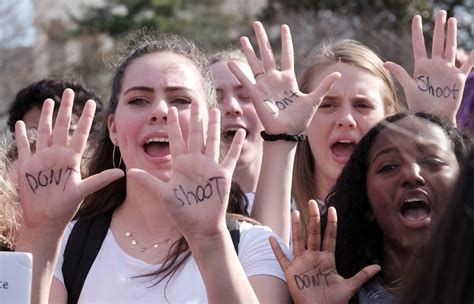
{"type": "Point", "coordinates": [229, 133]}
{"type": "Point", "coordinates": [343, 148]}
{"type": "Point", "coordinates": [415, 209]}
{"type": "Point", "coordinates": [157, 146]}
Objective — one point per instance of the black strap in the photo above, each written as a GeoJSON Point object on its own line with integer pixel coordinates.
{"type": "Point", "coordinates": [81, 250]}
{"type": "Point", "coordinates": [233, 227]}
{"type": "Point", "coordinates": [85, 241]}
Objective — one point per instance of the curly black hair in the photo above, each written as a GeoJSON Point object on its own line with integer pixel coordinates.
{"type": "Point", "coordinates": [359, 238]}
{"type": "Point", "coordinates": [37, 92]}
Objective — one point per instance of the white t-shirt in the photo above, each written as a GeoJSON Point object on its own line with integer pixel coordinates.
{"type": "Point", "coordinates": [111, 277]}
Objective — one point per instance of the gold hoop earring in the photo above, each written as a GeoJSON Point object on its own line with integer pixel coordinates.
{"type": "Point", "coordinates": [113, 157]}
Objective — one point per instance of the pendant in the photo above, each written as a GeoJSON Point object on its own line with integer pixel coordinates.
{"type": "Point", "coordinates": [128, 234]}
{"type": "Point", "coordinates": [155, 245]}
{"type": "Point", "coordinates": [134, 242]}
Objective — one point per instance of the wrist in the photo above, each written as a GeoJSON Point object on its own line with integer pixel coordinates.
{"type": "Point", "coordinates": [205, 245]}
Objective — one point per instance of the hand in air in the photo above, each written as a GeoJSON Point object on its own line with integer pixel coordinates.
{"type": "Point", "coordinates": [437, 84]}
{"type": "Point", "coordinates": [312, 276]}
{"type": "Point", "coordinates": [197, 194]}
{"type": "Point", "coordinates": [280, 105]}
{"type": "Point", "coordinates": [50, 184]}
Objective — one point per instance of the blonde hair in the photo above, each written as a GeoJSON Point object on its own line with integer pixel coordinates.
{"type": "Point", "coordinates": [226, 55]}
{"type": "Point", "coordinates": [10, 211]}
{"type": "Point", "coordinates": [329, 53]}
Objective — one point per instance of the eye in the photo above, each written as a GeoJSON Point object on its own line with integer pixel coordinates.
{"type": "Point", "coordinates": [389, 167]}
{"type": "Point", "coordinates": [180, 101]}
{"type": "Point", "coordinates": [138, 101]}
{"type": "Point", "coordinates": [244, 97]}
{"type": "Point", "coordinates": [327, 105]}
{"type": "Point", "coordinates": [433, 162]}
{"type": "Point", "coordinates": [362, 106]}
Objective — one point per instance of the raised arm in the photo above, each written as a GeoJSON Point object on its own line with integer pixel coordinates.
{"type": "Point", "coordinates": [196, 199]}
{"type": "Point", "coordinates": [50, 186]}
{"type": "Point", "coordinates": [283, 109]}
{"type": "Point", "coordinates": [312, 276]}
{"type": "Point", "coordinates": [437, 84]}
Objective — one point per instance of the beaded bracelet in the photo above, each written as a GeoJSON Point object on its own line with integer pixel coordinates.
{"type": "Point", "coordinates": [283, 136]}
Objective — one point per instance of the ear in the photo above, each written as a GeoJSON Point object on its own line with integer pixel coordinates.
{"type": "Point", "coordinates": [112, 128]}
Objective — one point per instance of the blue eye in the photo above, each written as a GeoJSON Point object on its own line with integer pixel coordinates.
{"type": "Point", "coordinates": [433, 162]}
{"type": "Point", "coordinates": [244, 97]}
{"type": "Point", "coordinates": [326, 105]}
{"type": "Point", "coordinates": [362, 106]}
{"type": "Point", "coordinates": [181, 101]}
{"type": "Point", "coordinates": [138, 101]}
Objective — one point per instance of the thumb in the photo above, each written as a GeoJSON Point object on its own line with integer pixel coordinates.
{"type": "Point", "coordinates": [98, 181]}
{"type": "Point", "coordinates": [357, 281]}
{"type": "Point", "coordinates": [144, 178]}
{"type": "Point", "coordinates": [467, 65]}
{"type": "Point", "coordinates": [279, 254]}
{"type": "Point", "coordinates": [399, 72]}
{"type": "Point", "coordinates": [323, 88]}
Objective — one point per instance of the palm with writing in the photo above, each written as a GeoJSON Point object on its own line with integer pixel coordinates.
{"type": "Point", "coordinates": [280, 105]}
{"type": "Point", "coordinates": [437, 84]}
{"type": "Point", "coordinates": [50, 184]}
{"type": "Point", "coordinates": [197, 194]}
{"type": "Point", "coordinates": [312, 275]}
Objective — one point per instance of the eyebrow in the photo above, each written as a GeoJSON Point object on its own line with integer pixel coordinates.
{"type": "Point", "coordinates": [146, 89]}
{"type": "Point", "coordinates": [167, 89]}
{"type": "Point", "coordinates": [178, 88]}
{"type": "Point", "coordinates": [385, 151]}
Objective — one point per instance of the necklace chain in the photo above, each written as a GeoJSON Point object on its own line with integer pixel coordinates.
{"type": "Point", "coordinates": [134, 242]}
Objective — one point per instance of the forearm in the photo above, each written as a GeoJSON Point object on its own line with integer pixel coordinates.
{"type": "Point", "coordinates": [44, 245]}
{"type": "Point", "coordinates": [272, 205]}
{"type": "Point", "coordinates": [222, 273]}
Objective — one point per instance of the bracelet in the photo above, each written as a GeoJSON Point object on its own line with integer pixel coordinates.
{"type": "Point", "coordinates": [282, 136]}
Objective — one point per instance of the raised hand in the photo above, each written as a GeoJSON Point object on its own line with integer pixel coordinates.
{"type": "Point", "coordinates": [437, 84]}
{"type": "Point", "coordinates": [280, 105]}
{"type": "Point", "coordinates": [50, 184]}
{"type": "Point", "coordinates": [312, 276]}
{"type": "Point", "coordinates": [197, 194]}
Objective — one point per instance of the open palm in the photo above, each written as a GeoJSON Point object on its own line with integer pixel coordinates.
{"type": "Point", "coordinates": [312, 276]}
{"type": "Point", "coordinates": [50, 184]}
{"type": "Point", "coordinates": [197, 194]}
{"type": "Point", "coordinates": [437, 84]}
{"type": "Point", "coordinates": [280, 105]}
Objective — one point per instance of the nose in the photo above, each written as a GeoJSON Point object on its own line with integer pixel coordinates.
{"type": "Point", "coordinates": [231, 106]}
{"type": "Point", "coordinates": [412, 175]}
{"type": "Point", "coordinates": [346, 118]}
{"type": "Point", "coordinates": [158, 112]}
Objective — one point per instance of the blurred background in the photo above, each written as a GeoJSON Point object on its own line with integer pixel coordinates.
{"type": "Point", "coordinates": [41, 38]}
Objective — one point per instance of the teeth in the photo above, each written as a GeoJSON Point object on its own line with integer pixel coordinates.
{"type": "Point", "coordinates": [345, 141]}
{"type": "Point", "coordinates": [413, 199]}
{"type": "Point", "coordinates": [157, 139]}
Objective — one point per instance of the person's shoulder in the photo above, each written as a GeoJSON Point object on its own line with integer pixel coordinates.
{"type": "Point", "coordinates": [253, 233]}
{"type": "Point", "coordinates": [245, 227]}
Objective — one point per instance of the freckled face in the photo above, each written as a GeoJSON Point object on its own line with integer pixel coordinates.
{"type": "Point", "coordinates": [238, 111]}
{"type": "Point", "coordinates": [410, 178]}
{"type": "Point", "coordinates": [350, 109]}
{"type": "Point", "coordinates": [151, 85]}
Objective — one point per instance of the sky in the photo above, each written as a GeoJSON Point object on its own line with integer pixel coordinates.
{"type": "Point", "coordinates": [17, 23]}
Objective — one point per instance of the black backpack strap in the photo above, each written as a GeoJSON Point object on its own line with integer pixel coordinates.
{"type": "Point", "coordinates": [233, 227]}
{"type": "Point", "coordinates": [82, 247]}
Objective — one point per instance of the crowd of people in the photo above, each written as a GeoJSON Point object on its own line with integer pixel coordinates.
{"type": "Point", "coordinates": [229, 178]}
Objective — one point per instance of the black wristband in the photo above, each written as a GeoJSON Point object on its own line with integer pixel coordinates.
{"type": "Point", "coordinates": [283, 136]}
